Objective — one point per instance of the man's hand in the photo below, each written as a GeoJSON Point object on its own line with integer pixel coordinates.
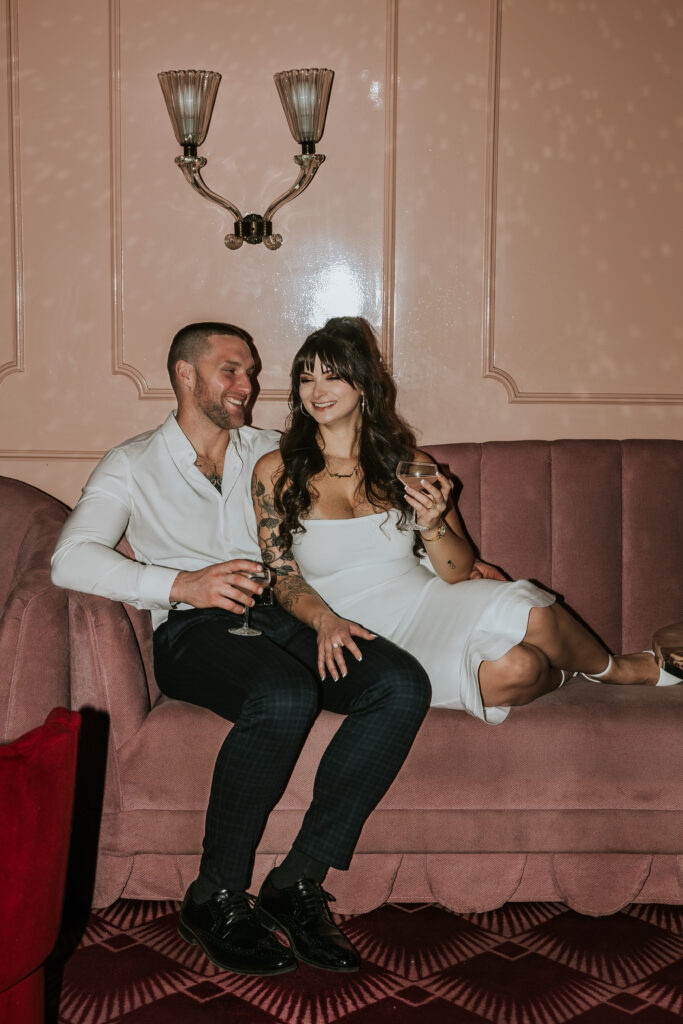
{"type": "Point", "coordinates": [484, 571]}
{"type": "Point", "coordinates": [218, 586]}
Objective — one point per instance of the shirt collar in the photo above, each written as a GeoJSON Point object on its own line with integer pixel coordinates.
{"type": "Point", "coordinates": [182, 452]}
{"type": "Point", "coordinates": [184, 455]}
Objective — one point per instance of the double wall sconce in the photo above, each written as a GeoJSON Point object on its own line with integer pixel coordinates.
{"type": "Point", "coordinates": [305, 94]}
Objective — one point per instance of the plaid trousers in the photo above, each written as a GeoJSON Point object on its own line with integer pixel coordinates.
{"type": "Point", "coordinates": [269, 687]}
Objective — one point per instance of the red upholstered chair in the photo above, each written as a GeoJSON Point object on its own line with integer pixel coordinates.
{"type": "Point", "coordinates": [37, 774]}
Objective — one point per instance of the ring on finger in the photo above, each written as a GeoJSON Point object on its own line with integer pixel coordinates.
{"type": "Point", "coordinates": [335, 645]}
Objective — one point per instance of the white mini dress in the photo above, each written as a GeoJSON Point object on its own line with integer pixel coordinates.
{"type": "Point", "coordinates": [365, 570]}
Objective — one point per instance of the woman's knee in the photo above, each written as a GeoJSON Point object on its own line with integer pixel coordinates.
{"type": "Point", "coordinates": [528, 674]}
{"type": "Point", "coordinates": [518, 677]}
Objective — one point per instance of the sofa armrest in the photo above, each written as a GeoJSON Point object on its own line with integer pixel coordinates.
{"type": "Point", "coordinates": [33, 612]}
{"type": "Point", "coordinates": [33, 655]}
{"type": "Point", "coordinates": [108, 669]}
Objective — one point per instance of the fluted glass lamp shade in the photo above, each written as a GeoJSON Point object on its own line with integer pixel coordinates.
{"type": "Point", "coordinates": [190, 96]}
{"type": "Point", "coordinates": [305, 94]}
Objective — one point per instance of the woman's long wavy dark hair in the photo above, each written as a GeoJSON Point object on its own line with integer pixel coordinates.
{"type": "Point", "coordinates": [347, 347]}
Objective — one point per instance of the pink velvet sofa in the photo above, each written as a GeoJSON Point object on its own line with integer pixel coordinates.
{"type": "Point", "coordinates": [576, 798]}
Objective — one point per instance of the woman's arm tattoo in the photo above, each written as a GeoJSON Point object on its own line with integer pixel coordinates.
{"type": "Point", "coordinates": [267, 521]}
{"type": "Point", "coordinates": [289, 588]}
{"type": "Point", "coordinates": [289, 584]}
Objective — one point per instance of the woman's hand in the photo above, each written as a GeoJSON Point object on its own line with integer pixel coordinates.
{"type": "Point", "coordinates": [334, 634]}
{"type": "Point", "coordinates": [431, 502]}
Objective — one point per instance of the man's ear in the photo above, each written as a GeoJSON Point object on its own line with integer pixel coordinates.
{"type": "Point", "coordinates": [185, 374]}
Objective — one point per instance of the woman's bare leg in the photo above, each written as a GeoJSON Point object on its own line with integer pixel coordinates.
{"type": "Point", "coordinates": [568, 645]}
{"type": "Point", "coordinates": [554, 640]}
{"type": "Point", "coordinates": [520, 676]}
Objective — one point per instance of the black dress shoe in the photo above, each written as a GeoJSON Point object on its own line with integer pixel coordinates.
{"type": "Point", "coordinates": [232, 936]}
{"type": "Point", "coordinates": [301, 911]}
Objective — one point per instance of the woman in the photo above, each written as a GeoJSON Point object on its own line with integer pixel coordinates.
{"type": "Point", "coordinates": [335, 527]}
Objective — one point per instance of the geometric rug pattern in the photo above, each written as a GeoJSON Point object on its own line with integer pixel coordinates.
{"type": "Point", "coordinates": [527, 963]}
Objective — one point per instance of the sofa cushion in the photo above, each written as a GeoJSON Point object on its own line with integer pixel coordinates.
{"type": "Point", "coordinates": [591, 767]}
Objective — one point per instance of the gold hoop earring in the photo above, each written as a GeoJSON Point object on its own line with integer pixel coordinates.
{"type": "Point", "coordinates": [303, 411]}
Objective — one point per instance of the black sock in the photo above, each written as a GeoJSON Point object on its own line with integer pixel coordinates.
{"type": "Point", "coordinates": [297, 865]}
{"type": "Point", "coordinates": [202, 889]}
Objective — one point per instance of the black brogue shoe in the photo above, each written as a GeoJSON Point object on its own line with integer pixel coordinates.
{"type": "Point", "coordinates": [229, 931]}
{"type": "Point", "coordinates": [301, 911]}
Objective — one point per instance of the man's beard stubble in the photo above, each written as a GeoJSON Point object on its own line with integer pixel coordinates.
{"type": "Point", "coordinates": [226, 419]}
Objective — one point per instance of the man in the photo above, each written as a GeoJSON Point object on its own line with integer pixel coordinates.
{"type": "Point", "coordinates": [181, 495]}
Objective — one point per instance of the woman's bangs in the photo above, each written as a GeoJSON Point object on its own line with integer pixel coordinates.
{"type": "Point", "coordinates": [332, 356]}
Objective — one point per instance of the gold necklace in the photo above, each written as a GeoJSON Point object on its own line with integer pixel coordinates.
{"type": "Point", "coordinates": [340, 476]}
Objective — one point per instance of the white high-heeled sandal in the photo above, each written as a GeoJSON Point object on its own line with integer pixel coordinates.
{"type": "Point", "coordinates": [566, 676]}
{"type": "Point", "coordinates": [665, 678]}
{"type": "Point", "coordinates": [599, 676]}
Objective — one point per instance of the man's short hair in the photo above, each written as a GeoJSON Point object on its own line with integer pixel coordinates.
{"type": "Point", "coordinates": [191, 342]}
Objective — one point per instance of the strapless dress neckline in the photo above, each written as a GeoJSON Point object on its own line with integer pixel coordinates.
{"type": "Point", "coordinates": [351, 519]}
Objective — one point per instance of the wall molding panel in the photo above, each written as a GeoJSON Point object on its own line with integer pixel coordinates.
{"type": "Point", "coordinates": [491, 369]}
{"type": "Point", "coordinates": [16, 363]}
{"type": "Point", "coordinates": [489, 268]}
{"type": "Point", "coordinates": [390, 155]}
{"type": "Point", "coordinates": [120, 364]}
{"type": "Point", "coordinates": [49, 454]}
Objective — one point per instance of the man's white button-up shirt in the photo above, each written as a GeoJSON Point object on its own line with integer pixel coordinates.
{"type": "Point", "coordinates": [150, 490]}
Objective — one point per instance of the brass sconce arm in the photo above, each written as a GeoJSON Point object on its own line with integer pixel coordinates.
{"type": "Point", "coordinates": [308, 164]}
{"type": "Point", "coordinates": [191, 166]}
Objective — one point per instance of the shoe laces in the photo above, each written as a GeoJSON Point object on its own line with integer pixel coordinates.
{"type": "Point", "coordinates": [235, 906]}
{"type": "Point", "coordinates": [313, 899]}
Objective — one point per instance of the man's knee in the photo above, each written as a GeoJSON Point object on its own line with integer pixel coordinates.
{"type": "Point", "coordinates": [285, 701]}
{"type": "Point", "coordinates": [403, 684]}
{"type": "Point", "coordinates": [413, 688]}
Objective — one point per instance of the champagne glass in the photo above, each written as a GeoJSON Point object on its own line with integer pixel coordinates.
{"type": "Point", "coordinates": [410, 474]}
{"type": "Point", "coordinates": [264, 577]}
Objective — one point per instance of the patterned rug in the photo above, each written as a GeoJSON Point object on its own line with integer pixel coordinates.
{"type": "Point", "coordinates": [527, 963]}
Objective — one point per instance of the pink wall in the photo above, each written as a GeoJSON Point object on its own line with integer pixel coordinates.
{"type": "Point", "coordinates": [502, 198]}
